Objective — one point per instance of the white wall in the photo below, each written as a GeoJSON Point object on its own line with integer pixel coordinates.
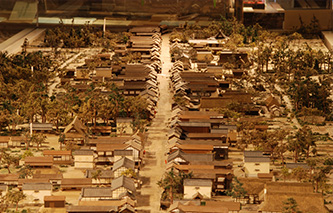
{"type": "Point", "coordinates": [252, 169]}
{"type": "Point", "coordinates": [190, 191]}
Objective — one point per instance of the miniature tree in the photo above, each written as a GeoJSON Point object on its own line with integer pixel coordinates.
{"type": "Point", "coordinates": [237, 190]}
{"type": "Point", "coordinates": [14, 197]}
{"type": "Point", "coordinates": [290, 206]}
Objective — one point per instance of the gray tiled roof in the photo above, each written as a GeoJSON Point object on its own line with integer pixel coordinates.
{"type": "Point", "coordinates": [123, 162]}
{"type": "Point", "coordinates": [37, 186]}
{"type": "Point", "coordinates": [123, 181]}
{"type": "Point", "coordinates": [190, 157]}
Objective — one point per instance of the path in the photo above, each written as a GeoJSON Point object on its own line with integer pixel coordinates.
{"type": "Point", "coordinates": [56, 80]}
{"type": "Point", "coordinates": [154, 167]}
{"type": "Point", "coordinates": [289, 105]}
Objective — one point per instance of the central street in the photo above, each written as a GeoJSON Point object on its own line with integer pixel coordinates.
{"type": "Point", "coordinates": [156, 146]}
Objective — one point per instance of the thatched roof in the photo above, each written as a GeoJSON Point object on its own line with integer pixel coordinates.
{"type": "Point", "coordinates": [76, 126]}
{"type": "Point", "coordinates": [306, 202]}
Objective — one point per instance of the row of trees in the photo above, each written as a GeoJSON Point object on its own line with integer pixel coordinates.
{"type": "Point", "coordinates": [82, 37]}
{"type": "Point", "coordinates": [278, 142]}
{"type": "Point", "coordinates": [24, 96]}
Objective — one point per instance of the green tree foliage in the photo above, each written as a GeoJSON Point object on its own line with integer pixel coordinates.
{"type": "Point", "coordinates": [290, 206]}
{"type": "Point", "coordinates": [302, 143]}
{"type": "Point", "coordinates": [14, 197]}
{"type": "Point", "coordinates": [172, 184]}
{"type": "Point", "coordinates": [311, 94]}
{"type": "Point", "coordinates": [8, 160]}
{"type": "Point", "coordinates": [129, 173]}
{"type": "Point", "coordinates": [37, 139]}
{"type": "Point", "coordinates": [237, 190]}
{"type": "Point", "coordinates": [25, 172]}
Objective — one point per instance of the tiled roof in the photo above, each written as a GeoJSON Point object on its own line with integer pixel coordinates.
{"type": "Point", "coordinates": [123, 181]}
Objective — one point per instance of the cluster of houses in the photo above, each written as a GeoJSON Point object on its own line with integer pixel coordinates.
{"type": "Point", "coordinates": [132, 67]}
{"type": "Point", "coordinates": [111, 173]}
{"type": "Point", "coordinates": [110, 164]}
{"type": "Point", "coordinates": [202, 137]}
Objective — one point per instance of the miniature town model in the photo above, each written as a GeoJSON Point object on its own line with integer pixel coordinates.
{"type": "Point", "coordinates": [180, 106]}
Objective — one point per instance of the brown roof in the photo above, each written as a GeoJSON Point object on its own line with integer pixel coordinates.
{"type": "Point", "coordinates": [54, 198]}
{"type": "Point", "coordinates": [48, 176]}
{"type": "Point", "coordinates": [202, 209]}
{"type": "Point", "coordinates": [270, 101]}
{"type": "Point", "coordinates": [192, 167]}
{"type": "Point", "coordinates": [212, 171]}
{"type": "Point", "coordinates": [77, 126]}
{"type": "Point", "coordinates": [4, 138]}
{"type": "Point", "coordinates": [202, 147]}
{"type": "Point", "coordinates": [221, 102]}
{"type": "Point", "coordinates": [109, 140]}
{"type": "Point", "coordinates": [232, 206]}
{"type": "Point", "coordinates": [108, 203]}
{"type": "Point", "coordinates": [206, 135]}
{"type": "Point", "coordinates": [306, 202]}
{"type": "Point", "coordinates": [253, 186]}
{"type": "Point", "coordinates": [76, 181]}
{"type": "Point", "coordinates": [38, 161]}
{"type": "Point", "coordinates": [289, 187]}
{"type": "Point", "coordinates": [9, 177]}
{"type": "Point", "coordinates": [101, 147]}
{"type": "Point", "coordinates": [22, 181]}
{"type": "Point", "coordinates": [57, 152]}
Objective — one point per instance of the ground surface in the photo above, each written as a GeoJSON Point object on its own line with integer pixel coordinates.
{"type": "Point", "coordinates": [154, 161]}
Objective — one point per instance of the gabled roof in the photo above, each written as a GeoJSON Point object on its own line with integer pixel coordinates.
{"type": "Point", "coordinates": [77, 126]}
{"type": "Point", "coordinates": [123, 181]}
{"type": "Point", "coordinates": [190, 157]}
{"type": "Point", "coordinates": [306, 202]}
{"type": "Point", "coordinates": [123, 162]}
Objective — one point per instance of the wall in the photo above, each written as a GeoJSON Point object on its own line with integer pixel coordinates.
{"type": "Point", "coordinates": [251, 167]}
{"type": "Point", "coordinates": [291, 18]}
{"type": "Point", "coordinates": [190, 191]}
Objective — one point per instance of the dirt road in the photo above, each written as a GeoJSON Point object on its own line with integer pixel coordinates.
{"type": "Point", "coordinates": [154, 161]}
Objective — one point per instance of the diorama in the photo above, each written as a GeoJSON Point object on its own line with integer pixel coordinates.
{"type": "Point", "coordinates": [180, 106]}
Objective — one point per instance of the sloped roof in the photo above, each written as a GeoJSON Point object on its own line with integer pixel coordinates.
{"type": "Point", "coordinates": [102, 209]}
{"type": "Point", "coordinates": [190, 157]}
{"type": "Point", "coordinates": [306, 202]}
{"type": "Point", "coordinates": [197, 182]}
{"type": "Point", "coordinates": [96, 192]}
{"type": "Point", "coordinates": [76, 125]}
{"type": "Point", "coordinates": [105, 174]}
{"type": "Point", "coordinates": [37, 186]}
{"type": "Point", "coordinates": [9, 177]}
{"type": "Point", "coordinates": [123, 162]}
{"type": "Point", "coordinates": [105, 147]}
{"type": "Point", "coordinates": [123, 181]}
{"type": "Point", "coordinates": [38, 161]}
{"type": "Point", "coordinates": [57, 152]}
